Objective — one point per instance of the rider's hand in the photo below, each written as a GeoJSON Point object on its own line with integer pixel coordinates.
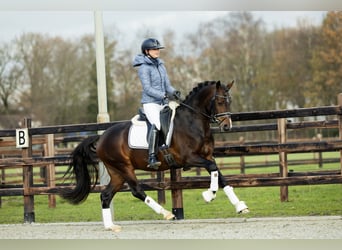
{"type": "Point", "coordinates": [165, 98]}
{"type": "Point", "coordinates": [177, 95]}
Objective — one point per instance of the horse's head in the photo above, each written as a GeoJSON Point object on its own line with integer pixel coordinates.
{"type": "Point", "coordinates": [211, 100]}
{"type": "Point", "coordinates": [221, 106]}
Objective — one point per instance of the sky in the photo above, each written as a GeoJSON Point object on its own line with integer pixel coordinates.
{"type": "Point", "coordinates": [73, 24]}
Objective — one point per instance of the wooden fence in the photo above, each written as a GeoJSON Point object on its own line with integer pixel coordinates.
{"type": "Point", "coordinates": [28, 158]}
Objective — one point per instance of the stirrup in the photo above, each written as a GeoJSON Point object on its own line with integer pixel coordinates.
{"type": "Point", "coordinates": [153, 163]}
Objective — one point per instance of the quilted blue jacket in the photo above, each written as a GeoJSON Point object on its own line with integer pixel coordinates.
{"type": "Point", "coordinates": [154, 79]}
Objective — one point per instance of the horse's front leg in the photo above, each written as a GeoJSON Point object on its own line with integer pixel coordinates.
{"type": "Point", "coordinates": [216, 179]}
{"type": "Point", "coordinates": [211, 167]}
{"type": "Point", "coordinates": [210, 194]}
{"type": "Point", "coordinates": [240, 206]}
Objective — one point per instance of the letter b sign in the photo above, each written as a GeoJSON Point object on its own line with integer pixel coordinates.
{"type": "Point", "coordinates": [22, 138]}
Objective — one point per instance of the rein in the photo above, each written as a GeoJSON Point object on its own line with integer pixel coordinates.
{"type": "Point", "coordinates": [212, 118]}
{"type": "Point", "coordinates": [196, 111]}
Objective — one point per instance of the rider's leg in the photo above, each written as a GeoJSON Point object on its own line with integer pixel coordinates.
{"type": "Point", "coordinates": [153, 148]}
{"type": "Point", "coordinates": [152, 112]}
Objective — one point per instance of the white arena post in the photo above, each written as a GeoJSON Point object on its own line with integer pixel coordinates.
{"type": "Point", "coordinates": [103, 115]}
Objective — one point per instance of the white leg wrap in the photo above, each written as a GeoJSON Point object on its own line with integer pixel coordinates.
{"type": "Point", "coordinates": [158, 209]}
{"type": "Point", "coordinates": [108, 222]}
{"type": "Point", "coordinates": [107, 217]}
{"type": "Point", "coordinates": [154, 205]}
{"type": "Point", "coordinates": [240, 206]}
{"type": "Point", "coordinates": [231, 195]}
{"type": "Point", "coordinates": [214, 181]}
{"type": "Point", "coordinates": [208, 195]}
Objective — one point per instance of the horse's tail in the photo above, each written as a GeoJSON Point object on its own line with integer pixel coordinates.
{"type": "Point", "coordinates": [83, 167]}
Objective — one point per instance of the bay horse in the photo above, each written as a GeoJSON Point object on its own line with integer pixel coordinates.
{"type": "Point", "coordinates": [192, 145]}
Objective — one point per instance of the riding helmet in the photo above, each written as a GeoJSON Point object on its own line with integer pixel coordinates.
{"type": "Point", "coordinates": [150, 43]}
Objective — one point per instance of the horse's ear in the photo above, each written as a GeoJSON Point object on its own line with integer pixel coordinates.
{"type": "Point", "coordinates": [218, 84]}
{"type": "Point", "coordinates": [229, 85]}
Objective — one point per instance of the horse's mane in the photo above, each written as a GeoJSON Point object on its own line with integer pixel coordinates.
{"type": "Point", "coordinates": [199, 86]}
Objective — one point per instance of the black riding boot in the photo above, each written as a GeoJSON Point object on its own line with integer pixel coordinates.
{"type": "Point", "coordinates": [153, 148]}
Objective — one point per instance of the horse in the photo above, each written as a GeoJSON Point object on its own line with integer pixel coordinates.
{"type": "Point", "coordinates": [192, 145]}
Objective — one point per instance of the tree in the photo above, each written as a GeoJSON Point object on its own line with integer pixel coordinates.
{"type": "Point", "coordinates": [34, 52]}
{"type": "Point", "coordinates": [290, 70]}
{"type": "Point", "coordinates": [327, 62]}
{"type": "Point", "coordinates": [56, 79]}
{"type": "Point", "coordinates": [69, 82]}
{"type": "Point", "coordinates": [127, 91]}
{"type": "Point", "coordinates": [10, 76]}
{"type": "Point", "coordinates": [115, 81]}
{"type": "Point", "coordinates": [232, 49]}
{"type": "Point", "coordinates": [181, 67]}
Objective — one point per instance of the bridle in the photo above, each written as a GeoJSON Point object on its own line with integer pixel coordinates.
{"type": "Point", "coordinates": [226, 115]}
{"type": "Point", "coordinates": [213, 117]}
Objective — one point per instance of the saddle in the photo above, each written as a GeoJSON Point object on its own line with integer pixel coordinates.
{"type": "Point", "coordinates": [137, 136]}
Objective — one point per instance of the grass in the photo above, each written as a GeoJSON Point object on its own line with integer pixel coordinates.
{"type": "Point", "coordinates": [305, 200]}
{"type": "Point", "coordinates": [262, 201]}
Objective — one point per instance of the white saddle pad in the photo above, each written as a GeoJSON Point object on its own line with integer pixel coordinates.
{"type": "Point", "coordinates": [137, 136]}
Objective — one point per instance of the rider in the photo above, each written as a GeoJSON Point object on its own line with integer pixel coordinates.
{"type": "Point", "coordinates": [156, 88]}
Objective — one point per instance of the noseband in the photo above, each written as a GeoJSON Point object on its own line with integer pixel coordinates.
{"type": "Point", "coordinates": [213, 117]}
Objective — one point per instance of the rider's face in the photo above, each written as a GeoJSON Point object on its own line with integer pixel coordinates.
{"type": "Point", "coordinates": [154, 53]}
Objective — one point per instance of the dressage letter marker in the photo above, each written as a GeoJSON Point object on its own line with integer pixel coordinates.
{"type": "Point", "coordinates": [22, 138]}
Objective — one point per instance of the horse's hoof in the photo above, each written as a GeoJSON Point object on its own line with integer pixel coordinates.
{"type": "Point", "coordinates": [245, 211]}
{"type": "Point", "coordinates": [241, 208]}
{"type": "Point", "coordinates": [114, 228]}
{"type": "Point", "coordinates": [169, 216]}
{"type": "Point", "coordinates": [208, 195]}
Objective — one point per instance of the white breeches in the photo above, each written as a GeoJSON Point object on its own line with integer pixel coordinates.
{"type": "Point", "coordinates": [152, 111]}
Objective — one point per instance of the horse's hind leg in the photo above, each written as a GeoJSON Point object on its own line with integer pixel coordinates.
{"type": "Point", "coordinates": [158, 208]}
{"type": "Point", "coordinates": [139, 193]}
{"type": "Point", "coordinates": [107, 195]}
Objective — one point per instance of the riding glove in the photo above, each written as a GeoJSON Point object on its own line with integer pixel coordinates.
{"type": "Point", "coordinates": [177, 95]}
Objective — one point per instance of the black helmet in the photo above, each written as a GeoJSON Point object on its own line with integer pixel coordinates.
{"type": "Point", "coordinates": [150, 43]}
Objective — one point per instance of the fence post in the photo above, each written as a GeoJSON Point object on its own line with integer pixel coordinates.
{"type": "Point", "coordinates": [242, 164]}
{"type": "Point", "coordinates": [29, 216]}
{"type": "Point", "coordinates": [177, 195]}
{"type": "Point", "coordinates": [284, 192]}
{"type": "Point", "coordinates": [198, 171]}
{"type": "Point", "coordinates": [2, 180]}
{"type": "Point", "coordinates": [161, 193]}
{"type": "Point", "coordinates": [242, 157]}
{"type": "Point", "coordinates": [320, 155]}
{"type": "Point", "coordinates": [50, 173]}
{"type": "Point", "coordinates": [339, 102]}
